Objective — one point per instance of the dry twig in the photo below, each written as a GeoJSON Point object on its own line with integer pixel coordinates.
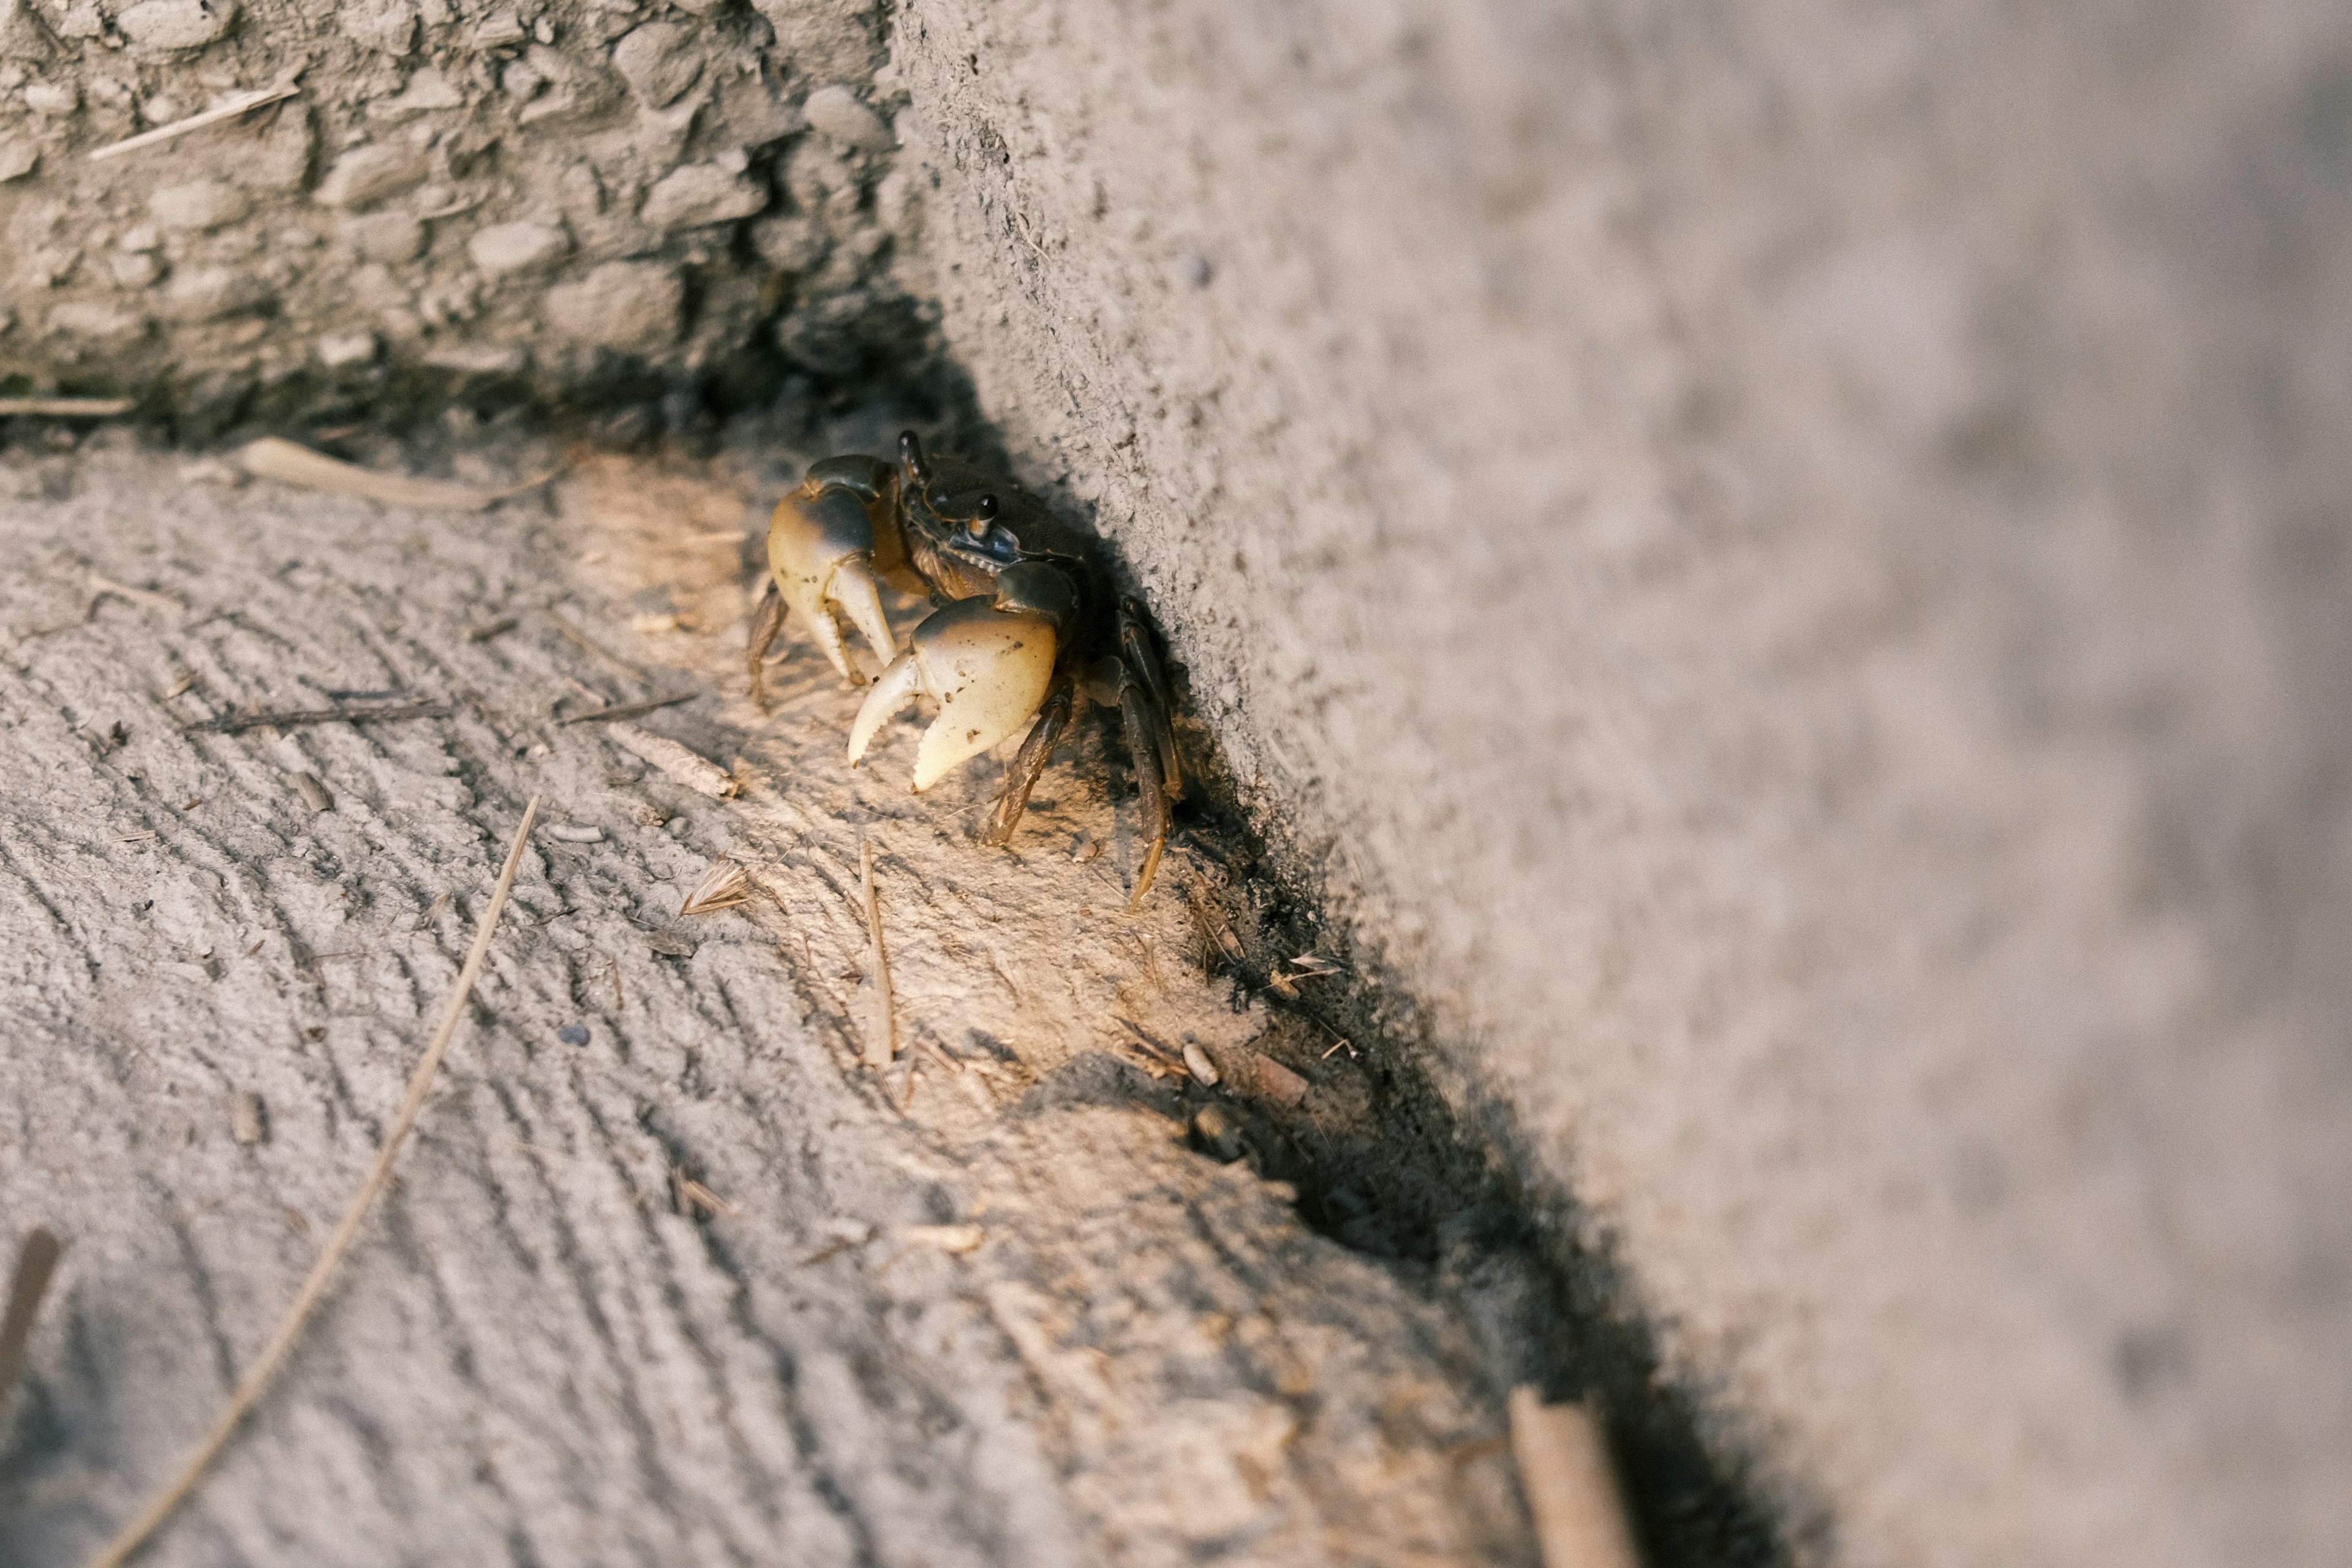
{"type": "Point", "coordinates": [272, 458]}
{"type": "Point", "coordinates": [64, 407]}
{"type": "Point", "coordinates": [587, 643]}
{"type": "Point", "coordinates": [881, 1045]}
{"type": "Point", "coordinates": [103, 585]}
{"type": "Point", "coordinates": [248, 1389]}
{"type": "Point", "coordinates": [1571, 1485]}
{"type": "Point", "coordinates": [630, 710]}
{"type": "Point", "coordinates": [293, 718]}
{"type": "Point", "coordinates": [227, 109]}
{"type": "Point", "coordinates": [36, 1261]}
{"type": "Point", "coordinates": [696, 773]}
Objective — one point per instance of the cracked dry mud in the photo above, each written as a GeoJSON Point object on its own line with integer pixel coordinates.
{"type": "Point", "coordinates": [534, 1356]}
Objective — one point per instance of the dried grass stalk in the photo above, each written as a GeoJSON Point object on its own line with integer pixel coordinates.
{"type": "Point", "coordinates": [227, 108]}
{"type": "Point", "coordinates": [1571, 1484]}
{"type": "Point", "coordinates": [36, 1261]}
{"type": "Point", "coordinates": [879, 1030]}
{"type": "Point", "coordinates": [723, 887]}
{"type": "Point", "coordinates": [274, 458]}
{"type": "Point", "coordinates": [249, 1388]}
{"type": "Point", "coordinates": [64, 407]}
{"type": "Point", "coordinates": [696, 773]}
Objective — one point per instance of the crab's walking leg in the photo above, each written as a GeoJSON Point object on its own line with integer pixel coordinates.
{"type": "Point", "coordinates": [1145, 725]}
{"type": "Point", "coordinates": [766, 622]}
{"type": "Point", "coordinates": [1142, 660]}
{"type": "Point", "coordinates": [1052, 719]}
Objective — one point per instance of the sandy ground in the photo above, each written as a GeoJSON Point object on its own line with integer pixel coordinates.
{"type": "Point", "coordinates": [991, 1306]}
{"type": "Point", "coordinates": [1775, 585]}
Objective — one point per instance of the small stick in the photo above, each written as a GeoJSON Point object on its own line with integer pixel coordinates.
{"type": "Point", "coordinates": [724, 885]}
{"type": "Point", "coordinates": [64, 407]}
{"type": "Point", "coordinates": [273, 458]}
{"type": "Point", "coordinates": [587, 643]}
{"type": "Point", "coordinates": [630, 710]}
{"type": "Point", "coordinates": [227, 108]}
{"type": "Point", "coordinates": [293, 718]}
{"type": "Point", "coordinates": [696, 773]}
{"type": "Point", "coordinates": [36, 1261]}
{"type": "Point", "coordinates": [880, 1045]}
{"type": "Point", "coordinates": [248, 1389]}
{"type": "Point", "coordinates": [153, 600]}
{"type": "Point", "coordinates": [1571, 1487]}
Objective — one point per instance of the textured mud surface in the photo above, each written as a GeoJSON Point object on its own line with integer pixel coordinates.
{"type": "Point", "coordinates": [1000, 1304]}
{"type": "Point", "coordinates": [553, 197]}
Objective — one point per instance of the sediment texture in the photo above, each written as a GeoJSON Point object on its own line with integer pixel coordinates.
{"type": "Point", "coordinates": [552, 197]}
{"type": "Point", "coordinates": [986, 1308]}
{"type": "Point", "coordinates": [1789, 572]}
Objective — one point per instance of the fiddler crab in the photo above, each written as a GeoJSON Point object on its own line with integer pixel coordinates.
{"type": "Point", "coordinates": [1023, 624]}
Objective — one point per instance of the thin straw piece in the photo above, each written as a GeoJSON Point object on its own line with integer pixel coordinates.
{"type": "Point", "coordinates": [227, 108]}
{"type": "Point", "coordinates": [881, 1042]}
{"type": "Point", "coordinates": [36, 1259]}
{"type": "Point", "coordinates": [248, 1390]}
{"type": "Point", "coordinates": [272, 458]}
{"type": "Point", "coordinates": [1572, 1487]}
{"type": "Point", "coordinates": [64, 407]}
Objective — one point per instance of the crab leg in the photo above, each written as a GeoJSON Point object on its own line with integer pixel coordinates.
{"type": "Point", "coordinates": [1052, 719]}
{"type": "Point", "coordinates": [1145, 725]}
{"type": "Point", "coordinates": [766, 622]}
{"type": "Point", "coordinates": [1137, 653]}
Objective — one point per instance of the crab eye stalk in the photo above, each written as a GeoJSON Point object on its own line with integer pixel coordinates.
{"type": "Point", "coordinates": [910, 452]}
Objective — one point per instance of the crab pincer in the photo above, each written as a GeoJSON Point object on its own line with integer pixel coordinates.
{"type": "Point", "coordinates": [820, 544]}
{"type": "Point", "coordinates": [1025, 625]}
{"type": "Point", "coordinates": [987, 668]}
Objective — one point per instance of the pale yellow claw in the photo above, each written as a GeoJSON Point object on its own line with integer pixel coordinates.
{"type": "Point", "coordinates": [987, 668]}
{"type": "Point", "coordinates": [821, 549]}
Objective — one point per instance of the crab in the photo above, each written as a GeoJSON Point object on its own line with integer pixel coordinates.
{"type": "Point", "coordinates": [1024, 625]}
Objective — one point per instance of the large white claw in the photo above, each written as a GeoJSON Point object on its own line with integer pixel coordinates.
{"type": "Point", "coordinates": [821, 549]}
{"type": "Point", "coordinates": [987, 668]}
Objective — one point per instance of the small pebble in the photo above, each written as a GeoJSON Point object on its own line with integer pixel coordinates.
{"type": "Point", "coordinates": [1197, 1062]}
{"type": "Point", "coordinates": [837, 112]}
{"type": "Point", "coordinates": [669, 945]}
{"type": "Point", "coordinates": [314, 793]}
{"type": "Point", "coordinates": [572, 1034]}
{"type": "Point", "coordinates": [249, 1118]}
{"type": "Point", "coordinates": [574, 833]}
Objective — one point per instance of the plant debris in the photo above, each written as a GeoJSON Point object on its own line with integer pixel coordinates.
{"type": "Point", "coordinates": [697, 773]}
{"type": "Point", "coordinates": [227, 108]}
{"type": "Point", "coordinates": [295, 718]}
{"type": "Point", "coordinates": [64, 407]}
{"type": "Point", "coordinates": [630, 710]}
{"type": "Point", "coordinates": [36, 1262]}
{"type": "Point", "coordinates": [248, 1389]}
{"type": "Point", "coordinates": [723, 887]}
{"type": "Point", "coordinates": [274, 457]}
{"type": "Point", "coordinates": [881, 1043]}
{"type": "Point", "coordinates": [1571, 1484]}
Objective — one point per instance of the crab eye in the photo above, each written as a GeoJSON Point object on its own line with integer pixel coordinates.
{"type": "Point", "coordinates": [987, 509]}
